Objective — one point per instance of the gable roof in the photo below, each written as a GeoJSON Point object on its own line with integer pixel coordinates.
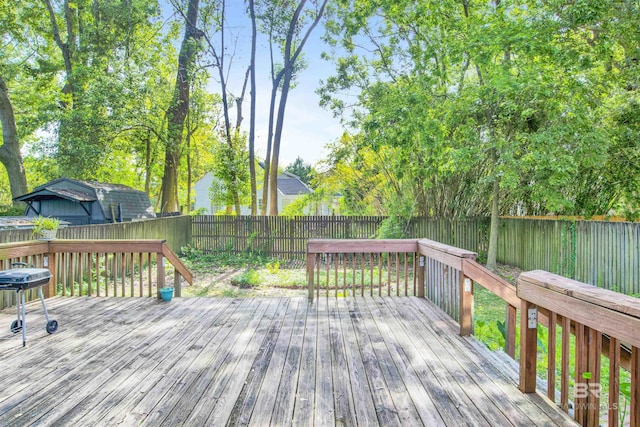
{"type": "Point", "coordinates": [290, 185]}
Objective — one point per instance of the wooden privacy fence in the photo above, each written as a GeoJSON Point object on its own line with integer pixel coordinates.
{"type": "Point", "coordinates": [97, 267]}
{"type": "Point", "coordinates": [287, 236]}
{"type": "Point", "coordinates": [176, 231]}
{"type": "Point", "coordinates": [606, 254]}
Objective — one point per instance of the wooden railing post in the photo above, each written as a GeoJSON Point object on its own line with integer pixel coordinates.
{"type": "Point", "coordinates": [466, 305]}
{"type": "Point", "coordinates": [50, 262]}
{"type": "Point", "coordinates": [160, 271]}
{"type": "Point", "coordinates": [420, 278]}
{"type": "Point", "coordinates": [177, 284]}
{"type": "Point", "coordinates": [510, 331]}
{"type": "Point", "coordinates": [311, 258]}
{"type": "Point", "coordinates": [528, 348]}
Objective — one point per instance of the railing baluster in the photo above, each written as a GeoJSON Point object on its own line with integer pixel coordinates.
{"type": "Point", "coordinates": [371, 256]}
{"type": "Point", "coordinates": [132, 273]}
{"type": "Point", "coordinates": [354, 276]}
{"type": "Point", "coordinates": [551, 346]}
{"type": "Point", "coordinates": [141, 273]}
{"type": "Point", "coordinates": [362, 260]}
{"type": "Point", "coordinates": [344, 274]}
{"type": "Point", "coordinates": [595, 349]}
{"type": "Point", "coordinates": [580, 368]}
{"type": "Point", "coordinates": [614, 381]}
{"type": "Point", "coordinates": [379, 275]}
{"type": "Point", "coordinates": [564, 371]}
{"type": "Point", "coordinates": [149, 274]}
{"type": "Point", "coordinates": [336, 264]}
{"type": "Point", "coordinates": [89, 274]}
{"type": "Point", "coordinates": [635, 386]}
{"type": "Point", "coordinates": [327, 261]}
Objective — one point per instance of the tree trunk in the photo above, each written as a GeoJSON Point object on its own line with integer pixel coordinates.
{"type": "Point", "coordinates": [10, 155]}
{"type": "Point", "coordinates": [252, 118]}
{"type": "Point", "coordinates": [494, 229]}
{"type": "Point", "coordinates": [67, 47]}
{"type": "Point", "coordinates": [177, 111]}
{"type": "Point", "coordinates": [147, 164]}
{"type": "Point", "coordinates": [267, 159]}
{"type": "Point", "coordinates": [275, 155]}
{"type": "Point", "coordinates": [292, 51]}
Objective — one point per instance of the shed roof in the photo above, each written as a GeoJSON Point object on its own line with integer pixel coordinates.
{"type": "Point", "coordinates": [133, 203]}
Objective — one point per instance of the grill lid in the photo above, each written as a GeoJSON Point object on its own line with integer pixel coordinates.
{"type": "Point", "coordinates": [23, 275]}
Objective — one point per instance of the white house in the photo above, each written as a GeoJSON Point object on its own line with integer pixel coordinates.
{"type": "Point", "coordinates": [290, 188]}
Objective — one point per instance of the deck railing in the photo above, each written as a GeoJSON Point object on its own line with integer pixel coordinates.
{"type": "Point", "coordinates": [603, 322]}
{"type": "Point", "coordinates": [97, 267]}
{"type": "Point", "coordinates": [371, 267]}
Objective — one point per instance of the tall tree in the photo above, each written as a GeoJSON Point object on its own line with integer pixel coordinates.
{"type": "Point", "coordinates": [288, 26]}
{"type": "Point", "coordinates": [302, 170]}
{"type": "Point", "coordinates": [252, 112]}
{"type": "Point", "coordinates": [222, 48]}
{"type": "Point", "coordinates": [96, 41]}
{"type": "Point", "coordinates": [10, 155]}
{"type": "Point", "coordinates": [179, 107]}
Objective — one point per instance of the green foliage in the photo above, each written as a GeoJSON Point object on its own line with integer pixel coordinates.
{"type": "Point", "coordinates": [248, 279]}
{"type": "Point", "coordinates": [231, 171]}
{"type": "Point", "coordinates": [11, 211]}
{"type": "Point", "coordinates": [452, 97]}
{"type": "Point", "coordinates": [225, 258]}
{"type": "Point", "coordinates": [302, 170]}
{"type": "Point", "coordinates": [41, 223]}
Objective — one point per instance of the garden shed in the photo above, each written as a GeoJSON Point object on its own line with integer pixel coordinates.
{"type": "Point", "coordinates": [87, 202]}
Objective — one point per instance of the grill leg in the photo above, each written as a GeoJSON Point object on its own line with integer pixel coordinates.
{"type": "Point", "coordinates": [18, 306]}
{"type": "Point", "coordinates": [24, 320]}
{"type": "Point", "coordinates": [44, 306]}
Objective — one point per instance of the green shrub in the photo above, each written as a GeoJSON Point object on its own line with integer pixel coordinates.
{"type": "Point", "coordinates": [248, 279]}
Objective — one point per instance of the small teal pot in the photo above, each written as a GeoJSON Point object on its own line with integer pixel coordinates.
{"type": "Point", "coordinates": [166, 293]}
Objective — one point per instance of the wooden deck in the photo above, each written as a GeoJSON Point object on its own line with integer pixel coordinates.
{"type": "Point", "coordinates": [270, 361]}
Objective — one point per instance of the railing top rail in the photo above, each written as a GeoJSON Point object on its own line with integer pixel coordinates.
{"type": "Point", "coordinates": [592, 294]}
{"type": "Point", "coordinates": [177, 264]}
{"type": "Point", "coordinates": [491, 281]}
{"type": "Point", "coordinates": [18, 249]}
{"type": "Point", "coordinates": [451, 250]}
{"type": "Point", "coordinates": [112, 246]}
{"type": "Point", "coordinates": [319, 246]}
{"type": "Point", "coordinates": [609, 312]}
{"type": "Point", "coordinates": [448, 255]}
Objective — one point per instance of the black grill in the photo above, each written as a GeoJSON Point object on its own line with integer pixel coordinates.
{"type": "Point", "coordinates": [21, 280]}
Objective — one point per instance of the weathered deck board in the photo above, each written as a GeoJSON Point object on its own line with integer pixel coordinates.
{"type": "Point", "coordinates": [282, 361]}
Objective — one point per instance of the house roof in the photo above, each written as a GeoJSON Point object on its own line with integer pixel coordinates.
{"type": "Point", "coordinates": [290, 185]}
{"type": "Point", "coordinates": [133, 203]}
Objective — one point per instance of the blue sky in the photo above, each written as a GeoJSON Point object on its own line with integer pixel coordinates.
{"type": "Point", "coordinates": [307, 126]}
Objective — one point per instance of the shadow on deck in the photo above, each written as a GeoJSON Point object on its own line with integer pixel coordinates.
{"type": "Point", "coordinates": [278, 361]}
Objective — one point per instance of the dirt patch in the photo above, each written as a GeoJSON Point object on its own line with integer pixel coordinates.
{"type": "Point", "coordinates": [508, 272]}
